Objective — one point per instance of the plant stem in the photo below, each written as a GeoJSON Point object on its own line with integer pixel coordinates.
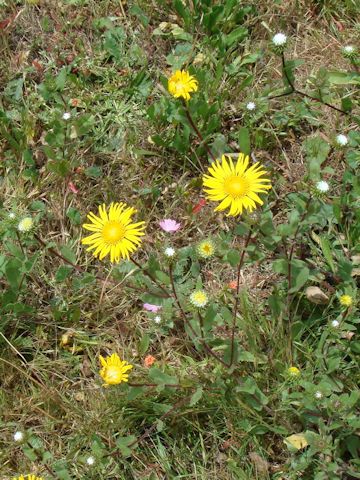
{"type": "Point", "coordinates": [176, 385]}
{"type": "Point", "coordinates": [183, 314]}
{"type": "Point", "coordinates": [300, 92]}
{"type": "Point", "coordinates": [241, 261]}
{"type": "Point", "coordinates": [151, 276]}
{"type": "Point", "coordinates": [197, 131]}
{"type": "Point", "coordinates": [82, 270]}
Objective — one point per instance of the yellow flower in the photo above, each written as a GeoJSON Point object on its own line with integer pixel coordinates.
{"type": "Point", "coordinates": [181, 84]}
{"type": "Point", "coordinates": [25, 225]}
{"type": "Point", "coordinates": [199, 298]}
{"type": "Point", "coordinates": [293, 372]}
{"type": "Point", "coordinates": [29, 477]}
{"type": "Point", "coordinates": [114, 234]}
{"type": "Point", "coordinates": [114, 370]}
{"type": "Point", "coordinates": [346, 300]}
{"type": "Point", "coordinates": [236, 186]}
{"type": "Point", "coordinates": [206, 249]}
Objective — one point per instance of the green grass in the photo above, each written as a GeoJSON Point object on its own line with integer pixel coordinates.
{"type": "Point", "coordinates": [128, 140]}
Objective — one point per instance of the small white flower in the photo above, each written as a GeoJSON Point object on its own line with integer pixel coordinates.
{"type": "Point", "coordinates": [250, 106]}
{"type": "Point", "coordinates": [342, 140]}
{"type": "Point", "coordinates": [25, 225]}
{"type": "Point", "coordinates": [66, 116]}
{"type": "Point", "coordinates": [318, 394]}
{"type": "Point", "coordinates": [349, 49]}
{"type": "Point", "coordinates": [11, 215]}
{"type": "Point", "coordinates": [322, 186]}
{"type": "Point", "coordinates": [279, 39]}
{"type": "Point", "coordinates": [18, 436]}
{"type": "Point", "coordinates": [157, 319]}
{"type": "Point", "coordinates": [90, 460]}
{"type": "Point", "coordinates": [169, 252]}
{"type": "Point", "coordinates": [335, 323]}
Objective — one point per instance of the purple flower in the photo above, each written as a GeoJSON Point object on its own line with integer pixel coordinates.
{"type": "Point", "coordinates": [151, 308]}
{"type": "Point", "coordinates": [169, 225]}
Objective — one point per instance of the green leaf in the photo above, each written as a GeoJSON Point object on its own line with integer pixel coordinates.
{"type": "Point", "coordinates": [123, 444]}
{"type": "Point", "coordinates": [160, 377]}
{"type": "Point", "coordinates": [63, 272]}
{"type": "Point", "coordinates": [316, 150]}
{"type": "Point", "coordinates": [163, 277]}
{"type": "Point", "coordinates": [298, 278]}
{"type": "Point", "coordinates": [68, 253]}
{"type": "Point", "coordinates": [244, 140]}
{"type": "Point", "coordinates": [327, 252]}
{"type": "Point", "coordinates": [196, 396]}
{"type": "Point", "coordinates": [233, 257]}
{"type": "Point", "coordinates": [144, 344]}
{"type": "Point", "coordinates": [343, 78]}
{"type": "Point", "coordinates": [61, 79]}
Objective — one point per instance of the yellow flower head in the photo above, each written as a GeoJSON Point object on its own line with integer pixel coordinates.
{"type": "Point", "coordinates": [206, 249]}
{"type": "Point", "coordinates": [26, 224]}
{"type": "Point", "coordinates": [181, 84]}
{"type": "Point", "coordinates": [199, 298]}
{"type": "Point", "coordinates": [113, 232]}
{"type": "Point", "coordinates": [28, 477]}
{"type": "Point", "coordinates": [346, 300]}
{"type": "Point", "coordinates": [114, 369]}
{"type": "Point", "coordinates": [293, 372]}
{"type": "Point", "coordinates": [235, 186]}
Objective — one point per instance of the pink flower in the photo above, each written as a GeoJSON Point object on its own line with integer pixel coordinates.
{"type": "Point", "coordinates": [151, 308]}
{"type": "Point", "coordinates": [169, 225]}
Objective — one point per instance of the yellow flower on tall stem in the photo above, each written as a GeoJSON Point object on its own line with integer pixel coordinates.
{"type": "Point", "coordinates": [181, 84]}
{"type": "Point", "coordinates": [114, 369]}
{"type": "Point", "coordinates": [235, 186]}
{"type": "Point", "coordinates": [114, 234]}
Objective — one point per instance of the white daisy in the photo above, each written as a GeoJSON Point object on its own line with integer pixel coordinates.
{"type": "Point", "coordinates": [279, 40]}
{"type": "Point", "coordinates": [322, 186]}
{"type": "Point", "coordinates": [66, 116]}
{"type": "Point", "coordinates": [335, 323]}
{"type": "Point", "coordinates": [342, 140]}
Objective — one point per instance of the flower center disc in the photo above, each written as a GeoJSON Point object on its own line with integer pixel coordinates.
{"type": "Point", "coordinates": [112, 373]}
{"type": "Point", "coordinates": [113, 232]}
{"type": "Point", "coordinates": [236, 186]}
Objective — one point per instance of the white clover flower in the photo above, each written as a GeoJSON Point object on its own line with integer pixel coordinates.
{"type": "Point", "coordinates": [250, 106]}
{"type": "Point", "coordinates": [169, 252]}
{"type": "Point", "coordinates": [90, 460]}
{"type": "Point", "coordinates": [157, 319]}
{"type": "Point", "coordinates": [279, 40]}
{"type": "Point", "coordinates": [66, 116]}
{"type": "Point", "coordinates": [349, 49]}
{"type": "Point", "coordinates": [25, 225]}
{"type": "Point", "coordinates": [18, 436]}
{"type": "Point", "coordinates": [318, 394]}
{"type": "Point", "coordinates": [322, 186]}
{"type": "Point", "coordinates": [342, 140]}
{"type": "Point", "coordinates": [335, 323]}
{"type": "Point", "coordinates": [11, 215]}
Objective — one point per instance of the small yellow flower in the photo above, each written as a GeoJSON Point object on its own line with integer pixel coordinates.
{"type": "Point", "coordinates": [114, 369]}
{"type": "Point", "coordinates": [199, 298]}
{"type": "Point", "coordinates": [293, 372]}
{"type": "Point", "coordinates": [113, 235]}
{"type": "Point", "coordinates": [28, 477]}
{"type": "Point", "coordinates": [235, 186]}
{"type": "Point", "coordinates": [206, 249]}
{"type": "Point", "coordinates": [346, 300]}
{"type": "Point", "coordinates": [181, 84]}
{"type": "Point", "coordinates": [25, 225]}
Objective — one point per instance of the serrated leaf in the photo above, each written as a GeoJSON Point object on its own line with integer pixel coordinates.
{"type": "Point", "coordinates": [196, 396]}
